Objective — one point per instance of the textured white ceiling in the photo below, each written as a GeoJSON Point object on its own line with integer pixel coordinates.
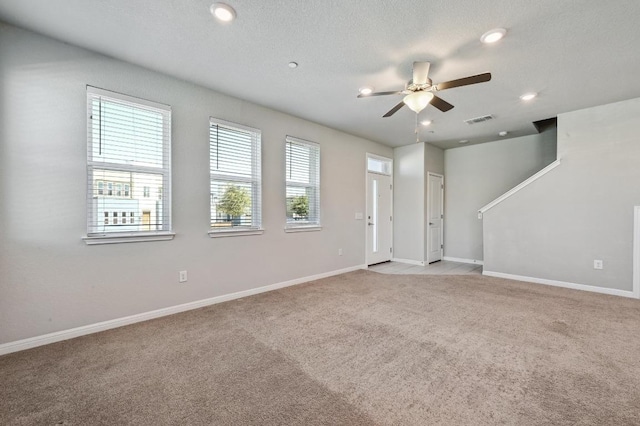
{"type": "Point", "coordinates": [575, 53]}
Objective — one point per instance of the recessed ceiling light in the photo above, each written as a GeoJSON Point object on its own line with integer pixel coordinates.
{"type": "Point", "coordinates": [223, 12]}
{"type": "Point", "coordinates": [503, 133]}
{"type": "Point", "coordinates": [492, 36]}
{"type": "Point", "coordinates": [463, 141]}
{"type": "Point", "coordinates": [293, 65]}
{"type": "Point", "coordinates": [365, 90]}
{"type": "Point", "coordinates": [528, 96]}
{"type": "Point", "coordinates": [425, 122]}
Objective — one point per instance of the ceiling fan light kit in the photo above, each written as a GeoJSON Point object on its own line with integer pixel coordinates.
{"type": "Point", "coordinates": [420, 92]}
{"type": "Point", "coordinates": [418, 101]}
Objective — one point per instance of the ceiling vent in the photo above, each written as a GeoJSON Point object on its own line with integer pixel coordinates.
{"type": "Point", "coordinates": [479, 119]}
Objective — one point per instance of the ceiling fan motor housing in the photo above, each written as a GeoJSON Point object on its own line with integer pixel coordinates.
{"type": "Point", "coordinates": [417, 87]}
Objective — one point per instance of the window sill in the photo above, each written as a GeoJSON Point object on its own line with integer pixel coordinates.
{"type": "Point", "coordinates": [235, 233]}
{"type": "Point", "coordinates": [303, 228]}
{"type": "Point", "coordinates": [91, 240]}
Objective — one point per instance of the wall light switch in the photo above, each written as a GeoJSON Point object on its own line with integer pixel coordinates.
{"type": "Point", "coordinates": [598, 264]}
{"type": "Point", "coordinates": [359, 216]}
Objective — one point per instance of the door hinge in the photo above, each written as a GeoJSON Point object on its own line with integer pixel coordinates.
{"type": "Point", "coordinates": [390, 186]}
{"type": "Point", "coordinates": [441, 246]}
{"type": "Point", "coordinates": [442, 186]}
{"type": "Point", "coordinates": [391, 218]}
{"type": "Point", "coordinates": [390, 249]}
{"type": "Point", "coordinates": [441, 216]}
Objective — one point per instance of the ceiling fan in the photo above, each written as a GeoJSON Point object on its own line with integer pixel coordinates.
{"type": "Point", "coordinates": [419, 91]}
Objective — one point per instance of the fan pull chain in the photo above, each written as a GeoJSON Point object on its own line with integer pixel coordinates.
{"type": "Point", "coordinates": [417, 137]}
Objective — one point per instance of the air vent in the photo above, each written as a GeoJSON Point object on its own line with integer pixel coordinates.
{"type": "Point", "coordinates": [479, 119]}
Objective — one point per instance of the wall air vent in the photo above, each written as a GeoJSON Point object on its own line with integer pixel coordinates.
{"type": "Point", "coordinates": [479, 119]}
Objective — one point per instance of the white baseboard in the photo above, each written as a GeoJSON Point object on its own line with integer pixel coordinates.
{"type": "Point", "coordinates": [32, 342]}
{"type": "Point", "coordinates": [460, 260]}
{"type": "Point", "coordinates": [564, 284]}
{"type": "Point", "coordinates": [408, 261]}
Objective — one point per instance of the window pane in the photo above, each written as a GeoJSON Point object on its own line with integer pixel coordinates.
{"type": "Point", "coordinates": [126, 134]}
{"type": "Point", "coordinates": [302, 170]}
{"type": "Point", "coordinates": [101, 206]}
{"type": "Point", "coordinates": [234, 154]}
{"type": "Point", "coordinates": [378, 165]}
{"type": "Point", "coordinates": [128, 154]}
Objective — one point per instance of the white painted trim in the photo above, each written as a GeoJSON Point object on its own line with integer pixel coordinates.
{"type": "Point", "coordinates": [460, 260]}
{"type": "Point", "coordinates": [518, 187]}
{"type": "Point", "coordinates": [310, 228]}
{"type": "Point", "coordinates": [115, 238]}
{"type": "Point", "coordinates": [32, 342]}
{"type": "Point", "coordinates": [564, 284]}
{"type": "Point", "coordinates": [235, 233]}
{"type": "Point", "coordinates": [636, 252]}
{"type": "Point", "coordinates": [408, 261]}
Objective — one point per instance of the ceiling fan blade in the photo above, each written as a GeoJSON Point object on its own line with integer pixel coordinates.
{"type": "Point", "coordinates": [480, 78]}
{"type": "Point", "coordinates": [379, 94]}
{"type": "Point", "coordinates": [394, 110]}
{"type": "Point", "coordinates": [421, 72]}
{"type": "Point", "coordinates": [441, 104]}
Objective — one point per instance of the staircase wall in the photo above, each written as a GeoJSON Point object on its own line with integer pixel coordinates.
{"type": "Point", "coordinates": [582, 210]}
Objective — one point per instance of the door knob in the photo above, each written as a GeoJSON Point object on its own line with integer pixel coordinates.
{"type": "Point", "coordinates": [430, 223]}
{"type": "Point", "coordinates": [370, 224]}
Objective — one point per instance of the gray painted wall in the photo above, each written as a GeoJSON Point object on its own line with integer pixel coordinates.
{"type": "Point", "coordinates": [408, 202]}
{"type": "Point", "coordinates": [578, 212]}
{"type": "Point", "coordinates": [476, 175]}
{"type": "Point", "coordinates": [50, 280]}
{"type": "Point", "coordinates": [411, 164]}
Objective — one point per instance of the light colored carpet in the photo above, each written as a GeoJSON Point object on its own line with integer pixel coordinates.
{"type": "Point", "coordinates": [356, 349]}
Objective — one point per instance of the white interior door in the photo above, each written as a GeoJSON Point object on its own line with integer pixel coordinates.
{"type": "Point", "coordinates": [435, 215]}
{"type": "Point", "coordinates": [379, 220]}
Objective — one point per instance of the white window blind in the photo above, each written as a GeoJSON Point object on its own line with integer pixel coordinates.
{"type": "Point", "coordinates": [236, 178]}
{"type": "Point", "coordinates": [302, 168]}
{"type": "Point", "coordinates": [128, 165]}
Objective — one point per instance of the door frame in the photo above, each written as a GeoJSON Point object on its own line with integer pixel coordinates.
{"type": "Point", "coordinates": [366, 200]}
{"type": "Point", "coordinates": [429, 174]}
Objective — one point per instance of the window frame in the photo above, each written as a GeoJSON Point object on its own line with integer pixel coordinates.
{"type": "Point", "coordinates": [300, 226]}
{"type": "Point", "coordinates": [95, 238]}
{"type": "Point", "coordinates": [255, 181]}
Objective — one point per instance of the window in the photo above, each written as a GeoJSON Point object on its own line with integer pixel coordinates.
{"type": "Point", "coordinates": [129, 140]}
{"type": "Point", "coordinates": [235, 177]}
{"type": "Point", "coordinates": [302, 168]}
{"type": "Point", "coordinates": [145, 191]}
{"type": "Point", "coordinates": [378, 165]}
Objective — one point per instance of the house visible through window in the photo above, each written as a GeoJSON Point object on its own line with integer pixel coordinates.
{"type": "Point", "coordinates": [235, 176]}
{"type": "Point", "coordinates": [302, 169]}
{"type": "Point", "coordinates": [129, 153]}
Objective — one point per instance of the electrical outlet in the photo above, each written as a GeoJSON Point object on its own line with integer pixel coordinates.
{"type": "Point", "coordinates": [339, 252]}
{"type": "Point", "coordinates": [359, 216]}
{"type": "Point", "coordinates": [183, 277]}
{"type": "Point", "coordinates": [598, 264]}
